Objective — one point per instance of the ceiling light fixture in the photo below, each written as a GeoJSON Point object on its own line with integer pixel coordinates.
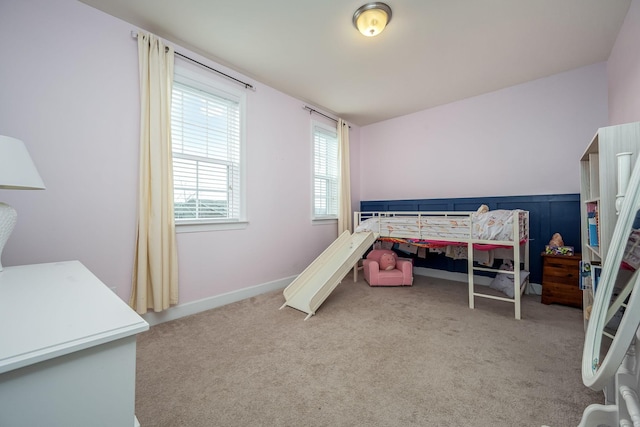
{"type": "Point", "coordinates": [371, 18]}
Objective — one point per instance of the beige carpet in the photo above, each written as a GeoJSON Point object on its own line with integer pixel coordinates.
{"type": "Point", "coordinates": [412, 356]}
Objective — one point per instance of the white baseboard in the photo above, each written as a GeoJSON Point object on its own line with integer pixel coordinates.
{"type": "Point", "coordinates": [450, 275]}
{"type": "Point", "coordinates": [194, 307]}
{"type": "Point", "coordinates": [534, 288]}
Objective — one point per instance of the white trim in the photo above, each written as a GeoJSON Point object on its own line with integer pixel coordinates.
{"type": "Point", "coordinates": [333, 130]}
{"type": "Point", "coordinates": [534, 288]}
{"type": "Point", "coordinates": [449, 275]}
{"type": "Point", "coordinates": [186, 73]}
{"type": "Point", "coordinates": [183, 227]}
{"type": "Point", "coordinates": [205, 304]}
{"type": "Point", "coordinates": [324, 221]}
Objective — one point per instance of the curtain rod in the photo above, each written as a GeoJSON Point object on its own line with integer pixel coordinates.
{"type": "Point", "coordinates": [311, 110]}
{"type": "Point", "coordinates": [245, 84]}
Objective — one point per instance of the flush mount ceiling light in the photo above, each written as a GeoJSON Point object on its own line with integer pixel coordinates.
{"type": "Point", "coordinates": [371, 18]}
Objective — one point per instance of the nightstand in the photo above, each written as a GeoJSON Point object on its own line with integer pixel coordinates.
{"type": "Point", "coordinates": [68, 352]}
{"type": "Point", "coordinates": [560, 280]}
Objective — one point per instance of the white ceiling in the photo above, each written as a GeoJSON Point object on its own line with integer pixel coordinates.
{"type": "Point", "coordinates": [432, 52]}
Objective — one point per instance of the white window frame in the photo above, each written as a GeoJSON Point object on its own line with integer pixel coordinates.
{"type": "Point", "coordinates": [209, 84]}
{"type": "Point", "coordinates": [330, 130]}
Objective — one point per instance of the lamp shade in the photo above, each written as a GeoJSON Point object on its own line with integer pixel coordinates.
{"type": "Point", "coordinates": [370, 19]}
{"type": "Point", "coordinates": [17, 170]}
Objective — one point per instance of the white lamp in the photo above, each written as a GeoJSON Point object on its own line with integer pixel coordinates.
{"type": "Point", "coordinates": [17, 172]}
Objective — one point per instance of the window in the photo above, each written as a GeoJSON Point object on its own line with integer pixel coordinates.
{"type": "Point", "coordinates": [326, 172]}
{"type": "Point", "coordinates": [206, 135]}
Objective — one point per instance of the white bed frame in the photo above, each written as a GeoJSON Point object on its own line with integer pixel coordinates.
{"type": "Point", "coordinates": [520, 250]}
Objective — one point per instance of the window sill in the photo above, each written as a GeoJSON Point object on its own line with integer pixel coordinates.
{"type": "Point", "coordinates": [201, 227]}
{"type": "Point", "coordinates": [324, 221]}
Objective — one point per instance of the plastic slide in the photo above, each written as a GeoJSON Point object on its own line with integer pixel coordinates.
{"type": "Point", "coordinates": [309, 290]}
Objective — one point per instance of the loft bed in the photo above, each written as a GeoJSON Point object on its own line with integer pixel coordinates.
{"type": "Point", "coordinates": [504, 231]}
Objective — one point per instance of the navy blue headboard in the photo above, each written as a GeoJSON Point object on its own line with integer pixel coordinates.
{"type": "Point", "coordinates": [548, 214]}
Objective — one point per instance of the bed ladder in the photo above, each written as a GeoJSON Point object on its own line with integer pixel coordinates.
{"type": "Point", "coordinates": [519, 286]}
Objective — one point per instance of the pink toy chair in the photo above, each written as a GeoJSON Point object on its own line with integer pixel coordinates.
{"type": "Point", "coordinates": [401, 275]}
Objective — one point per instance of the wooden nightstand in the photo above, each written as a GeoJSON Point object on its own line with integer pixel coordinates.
{"type": "Point", "coordinates": [560, 280]}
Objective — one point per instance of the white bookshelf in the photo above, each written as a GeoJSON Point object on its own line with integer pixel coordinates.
{"type": "Point", "coordinates": [598, 191]}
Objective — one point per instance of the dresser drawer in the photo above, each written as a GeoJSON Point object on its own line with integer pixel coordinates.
{"type": "Point", "coordinates": [561, 280]}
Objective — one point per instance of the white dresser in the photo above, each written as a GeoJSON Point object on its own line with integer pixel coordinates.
{"type": "Point", "coordinates": [67, 349]}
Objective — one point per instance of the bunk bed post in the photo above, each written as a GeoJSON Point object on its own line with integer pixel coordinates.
{"type": "Point", "coordinates": [526, 249]}
{"type": "Point", "coordinates": [356, 222]}
{"type": "Point", "coordinates": [516, 263]}
{"type": "Point", "coordinates": [470, 273]}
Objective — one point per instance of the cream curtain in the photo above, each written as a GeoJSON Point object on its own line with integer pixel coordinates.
{"type": "Point", "coordinates": [155, 270]}
{"type": "Point", "coordinates": [344, 209]}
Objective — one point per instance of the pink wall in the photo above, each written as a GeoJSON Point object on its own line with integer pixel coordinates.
{"type": "Point", "coordinates": [69, 90]}
{"type": "Point", "coordinates": [623, 70]}
{"type": "Point", "coordinates": [523, 140]}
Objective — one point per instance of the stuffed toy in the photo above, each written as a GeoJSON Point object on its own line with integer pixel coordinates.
{"type": "Point", "coordinates": [483, 209]}
{"type": "Point", "coordinates": [387, 261]}
{"type": "Point", "coordinates": [556, 240]}
{"type": "Point", "coordinates": [504, 282]}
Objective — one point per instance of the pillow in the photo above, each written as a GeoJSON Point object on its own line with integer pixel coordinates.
{"type": "Point", "coordinates": [504, 282]}
{"type": "Point", "coordinates": [387, 261]}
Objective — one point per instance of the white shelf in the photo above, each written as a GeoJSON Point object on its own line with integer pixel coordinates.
{"type": "Point", "coordinates": [57, 309]}
{"type": "Point", "coordinates": [595, 250]}
{"type": "Point", "coordinates": [594, 176]}
{"type": "Point", "coordinates": [598, 186]}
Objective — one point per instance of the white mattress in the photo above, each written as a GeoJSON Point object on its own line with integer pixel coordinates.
{"type": "Point", "coordinates": [493, 225]}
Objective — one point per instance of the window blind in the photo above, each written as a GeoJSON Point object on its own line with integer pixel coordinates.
{"type": "Point", "coordinates": [325, 163]}
{"type": "Point", "coordinates": [205, 132]}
